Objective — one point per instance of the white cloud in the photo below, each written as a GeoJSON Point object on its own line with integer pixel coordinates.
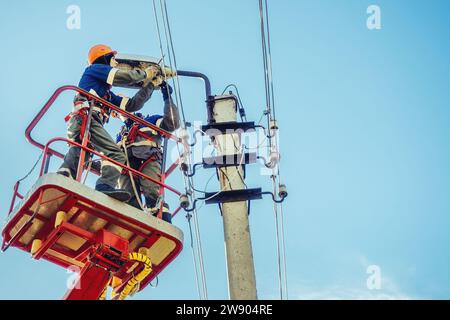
{"type": "Point", "coordinates": [337, 292]}
{"type": "Point", "coordinates": [353, 290]}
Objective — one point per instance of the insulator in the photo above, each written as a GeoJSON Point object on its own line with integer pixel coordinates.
{"type": "Point", "coordinates": [184, 201]}
{"type": "Point", "coordinates": [273, 125]}
{"type": "Point", "coordinates": [183, 134]}
{"type": "Point", "coordinates": [282, 191]}
{"type": "Point", "coordinates": [184, 167]}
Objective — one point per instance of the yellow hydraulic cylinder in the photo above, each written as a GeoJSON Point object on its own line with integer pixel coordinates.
{"type": "Point", "coordinates": [35, 246]}
{"type": "Point", "coordinates": [61, 217]}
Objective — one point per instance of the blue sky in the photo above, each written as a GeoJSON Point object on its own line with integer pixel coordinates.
{"type": "Point", "coordinates": [363, 121]}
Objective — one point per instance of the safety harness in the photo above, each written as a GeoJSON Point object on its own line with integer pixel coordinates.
{"type": "Point", "coordinates": [128, 138]}
{"type": "Point", "coordinates": [135, 132]}
{"type": "Point", "coordinates": [81, 107]}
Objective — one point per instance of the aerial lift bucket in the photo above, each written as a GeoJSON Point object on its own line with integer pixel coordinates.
{"type": "Point", "coordinates": [67, 223]}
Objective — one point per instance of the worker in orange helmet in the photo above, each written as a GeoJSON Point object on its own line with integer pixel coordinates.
{"type": "Point", "coordinates": [97, 79]}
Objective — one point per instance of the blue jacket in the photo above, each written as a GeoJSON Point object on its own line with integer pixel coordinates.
{"type": "Point", "coordinates": [96, 80]}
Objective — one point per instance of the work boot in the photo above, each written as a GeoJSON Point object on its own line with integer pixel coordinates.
{"type": "Point", "coordinates": [118, 194]}
{"type": "Point", "coordinates": [166, 215]}
{"type": "Point", "coordinates": [65, 173]}
{"type": "Point", "coordinates": [134, 203]}
{"type": "Point", "coordinates": [96, 165]}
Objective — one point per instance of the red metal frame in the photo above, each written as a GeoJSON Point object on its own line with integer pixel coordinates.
{"type": "Point", "coordinates": [84, 145]}
{"type": "Point", "coordinates": [113, 107]}
{"type": "Point", "coordinates": [125, 167]}
{"type": "Point", "coordinates": [95, 254]}
{"type": "Point", "coordinates": [16, 194]}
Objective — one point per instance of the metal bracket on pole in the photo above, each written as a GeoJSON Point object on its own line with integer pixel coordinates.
{"type": "Point", "coordinates": [225, 127]}
{"type": "Point", "coordinates": [233, 196]}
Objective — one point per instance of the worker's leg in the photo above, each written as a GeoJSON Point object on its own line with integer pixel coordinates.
{"type": "Point", "coordinates": [151, 189]}
{"type": "Point", "coordinates": [103, 143]}
{"type": "Point", "coordinates": [125, 182]}
{"type": "Point", "coordinates": [110, 172]}
{"type": "Point", "coordinates": [70, 163]}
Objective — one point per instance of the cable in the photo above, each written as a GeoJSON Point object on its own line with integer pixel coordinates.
{"type": "Point", "coordinates": [32, 168]}
{"type": "Point", "coordinates": [188, 217]}
{"type": "Point", "coordinates": [241, 105]}
{"type": "Point", "coordinates": [241, 152]}
{"type": "Point", "coordinates": [284, 251]}
{"type": "Point", "coordinates": [266, 68]}
{"type": "Point", "coordinates": [188, 181]}
{"type": "Point", "coordinates": [169, 39]}
{"type": "Point", "coordinates": [156, 285]}
{"type": "Point", "coordinates": [273, 143]}
{"type": "Point", "coordinates": [270, 75]}
{"type": "Point", "coordinates": [206, 185]}
{"type": "Point", "coordinates": [276, 180]}
{"type": "Point", "coordinates": [262, 116]}
{"type": "Point", "coordinates": [87, 170]}
{"type": "Point", "coordinates": [264, 52]}
{"type": "Point", "coordinates": [275, 210]}
{"type": "Point", "coordinates": [226, 176]}
{"type": "Point", "coordinates": [130, 175]}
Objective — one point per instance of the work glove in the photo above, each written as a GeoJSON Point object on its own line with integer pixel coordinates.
{"type": "Point", "coordinates": [168, 73]}
{"type": "Point", "coordinates": [166, 90]}
{"type": "Point", "coordinates": [153, 76]}
{"type": "Point", "coordinates": [151, 72]}
{"type": "Point", "coordinates": [157, 81]}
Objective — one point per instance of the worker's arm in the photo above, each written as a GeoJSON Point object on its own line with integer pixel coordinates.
{"type": "Point", "coordinates": [171, 118]}
{"type": "Point", "coordinates": [119, 77]}
{"type": "Point", "coordinates": [137, 101]}
{"type": "Point", "coordinates": [126, 77]}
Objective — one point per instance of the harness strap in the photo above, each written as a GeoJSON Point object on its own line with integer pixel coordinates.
{"type": "Point", "coordinates": [82, 112]}
{"type": "Point", "coordinates": [152, 158]}
{"type": "Point", "coordinates": [134, 132]}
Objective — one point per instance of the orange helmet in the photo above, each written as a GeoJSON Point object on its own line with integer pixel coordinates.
{"type": "Point", "coordinates": [99, 51]}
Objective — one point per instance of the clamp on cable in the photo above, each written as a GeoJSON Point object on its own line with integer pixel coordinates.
{"type": "Point", "coordinates": [282, 193]}
{"type": "Point", "coordinates": [194, 137]}
{"type": "Point", "coordinates": [274, 158]}
{"type": "Point", "coordinates": [184, 168]}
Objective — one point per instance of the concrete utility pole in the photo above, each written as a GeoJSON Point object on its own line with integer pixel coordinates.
{"type": "Point", "coordinates": [238, 246]}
